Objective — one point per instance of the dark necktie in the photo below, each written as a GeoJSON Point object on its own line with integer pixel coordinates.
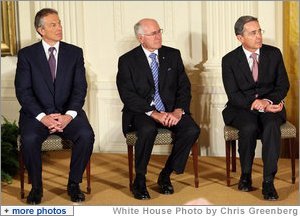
{"type": "Point", "coordinates": [52, 62]}
{"type": "Point", "coordinates": [254, 66]}
{"type": "Point", "coordinates": [154, 68]}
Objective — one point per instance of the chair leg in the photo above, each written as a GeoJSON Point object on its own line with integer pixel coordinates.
{"type": "Point", "coordinates": [233, 158]}
{"type": "Point", "coordinates": [228, 162]}
{"type": "Point", "coordinates": [195, 163]}
{"type": "Point", "coordinates": [88, 176]}
{"type": "Point", "coordinates": [21, 172]}
{"type": "Point", "coordinates": [292, 155]}
{"type": "Point", "coordinates": [130, 165]}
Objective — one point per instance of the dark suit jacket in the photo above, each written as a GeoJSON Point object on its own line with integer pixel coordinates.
{"type": "Point", "coordinates": [272, 84]}
{"type": "Point", "coordinates": [136, 85]}
{"type": "Point", "coordinates": [35, 89]}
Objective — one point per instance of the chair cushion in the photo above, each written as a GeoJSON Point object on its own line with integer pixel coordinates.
{"type": "Point", "coordinates": [52, 143]}
{"type": "Point", "coordinates": [288, 130]}
{"type": "Point", "coordinates": [164, 137]}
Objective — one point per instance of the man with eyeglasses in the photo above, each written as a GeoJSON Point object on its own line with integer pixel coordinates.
{"type": "Point", "coordinates": [156, 93]}
{"type": "Point", "coordinates": [256, 83]}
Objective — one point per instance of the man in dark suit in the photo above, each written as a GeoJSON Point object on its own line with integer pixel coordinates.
{"type": "Point", "coordinates": [51, 88]}
{"type": "Point", "coordinates": [256, 83]}
{"type": "Point", "coordinates": [156, 92]}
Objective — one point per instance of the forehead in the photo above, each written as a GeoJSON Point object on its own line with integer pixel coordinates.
{"type": "Point", "coordinates": [50, 18]}
{"type": "Point", "coordinates": [150, 25]}
{"type": "Point", "coordinates": [250, 26]}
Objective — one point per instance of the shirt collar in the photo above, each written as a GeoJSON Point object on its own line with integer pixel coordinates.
{"type": "Point", "coordinates": [147, 52]}
{"type": "Point", "coordinates": [248, 53]}
{"type": "Point", "coordinates": [47, 46]}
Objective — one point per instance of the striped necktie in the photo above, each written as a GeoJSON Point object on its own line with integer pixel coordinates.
{"type": "Point", "coordinates": [154, 68]}
{"type": "Point", "coordinates": [52, 62]}
{"type": "Point", "coordinates": [254, 66]}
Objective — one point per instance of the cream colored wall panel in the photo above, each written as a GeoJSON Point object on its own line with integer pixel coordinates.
{"type": "Point", "coordinates": [9, 105]}
{"type": "Point", "coordinates": [10, 109]}
{"type": "Point", "coordinates": [127, 13]}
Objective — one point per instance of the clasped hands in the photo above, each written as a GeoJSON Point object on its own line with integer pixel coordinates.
{"type": "Point", "coordinates": [265, 106]}
{"type": "Point", "coordinates": [56, 122]}
{"type": "Point", "coordinates": [168, 119]}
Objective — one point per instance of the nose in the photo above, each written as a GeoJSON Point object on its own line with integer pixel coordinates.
{"type": "Point", "coordinates": [59, 27]}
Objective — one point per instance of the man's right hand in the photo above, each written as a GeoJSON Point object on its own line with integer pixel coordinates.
{"type": "Point", "coordinates": [160, 117]}
{"type": "Point", "coordinates": [52, 123]}
{"type": "Point", "coordinates": [274, 108]}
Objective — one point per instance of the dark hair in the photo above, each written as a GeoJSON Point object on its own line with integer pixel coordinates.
{"type": "Point", "coordinates": [38, 20]}
{"type": "Point", "coordinates": [239, 24]}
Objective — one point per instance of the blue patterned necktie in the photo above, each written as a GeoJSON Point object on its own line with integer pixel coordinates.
{"type": "Point", "coordinates": [154, 68]}
{"type": "Point", "coordinates": [52, 62]}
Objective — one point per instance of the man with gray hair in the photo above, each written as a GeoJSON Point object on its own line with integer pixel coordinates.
{"type": "Point", "coordinates": [51, 88]}
{"type": "Point", "coordinates": [256, 83]}
{"type": "Point", "coordinates": [156, 93]}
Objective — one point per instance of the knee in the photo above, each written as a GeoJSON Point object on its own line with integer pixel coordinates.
{"type": "Point", "coordinates": [147, 131]}
{"type": "Point", "coordinates": [30, 141]}
{"type": "Point", "coordinates": [272, 125]}
{"type": "Point", "coordinates": [86, 136]}
{"type": "Point", "coordinates": [194, 131]}
{"type": "Point", "coordinates": [248, 129]}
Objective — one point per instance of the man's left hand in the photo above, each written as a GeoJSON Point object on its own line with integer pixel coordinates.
{"type": "Point", "coordinates": [173, 118]}
{"type": "Point", "coordinates": [64, 120]}
{"type": "Point", "coordinates": [259, 104]}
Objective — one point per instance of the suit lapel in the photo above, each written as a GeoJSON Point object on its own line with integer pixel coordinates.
{"type": "Point", "coordinates": [243, 64]}
{"type": "Point", "coordinates": [262, 64]}
{"type": "Point", "coordinates": [162, 66]}
{"type": "Point", "coordinates": [143, 64]}
{"type": "Point", "coordinates": [62, 59]}
{"type": "Point", "coordinates": [45, 69]}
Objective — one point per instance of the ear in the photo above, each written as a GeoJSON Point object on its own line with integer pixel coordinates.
{"type": "Point", "coordinates": [240, 38]}
{"type": "Point", "coordinates": [140, 38]}
{"type": "Point", "coordinates": [40, 30]}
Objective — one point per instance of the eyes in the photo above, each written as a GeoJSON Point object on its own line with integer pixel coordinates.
{"type": "Point", "coordinates": [54, 24]}
{"type": "Point", "coordinates": [158, 32]}
{"type": "Point", "coordinates": [255, 32]}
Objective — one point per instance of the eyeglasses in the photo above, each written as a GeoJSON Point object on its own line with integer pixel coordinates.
{"type": "Point", "coordinates": [256, 32]}
{"type": "Point", "coordinates": [158, 32]}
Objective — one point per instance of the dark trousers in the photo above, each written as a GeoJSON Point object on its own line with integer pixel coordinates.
{"type": "Point", "coordinates": [34, 133]}
{"type": "Point", "coordinates": [253, 125]}
{"type": "Point", "coordinates": [186, 133]}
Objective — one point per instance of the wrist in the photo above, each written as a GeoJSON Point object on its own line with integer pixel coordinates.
{"type": "Point", "coordinates": [181, 110]}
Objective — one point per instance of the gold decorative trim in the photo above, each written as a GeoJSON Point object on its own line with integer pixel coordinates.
{"type": "Point", "coordinates": [9, 31]}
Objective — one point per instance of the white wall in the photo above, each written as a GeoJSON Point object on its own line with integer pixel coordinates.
{"type": "Point", "coordinates": [203, 31]}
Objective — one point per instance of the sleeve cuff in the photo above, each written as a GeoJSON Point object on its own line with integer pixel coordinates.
{"type": "Point", "coordinates": [72, 113]}
{"type": "Point", "coordinates": [40, 116]}
{"type": "Point", "coordinates": [149, 113]}
{"type": "Point", "coordinates": [271, 102]}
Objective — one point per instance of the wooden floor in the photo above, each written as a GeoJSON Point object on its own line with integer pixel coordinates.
{"type": "Point", "coordinates": [110, 183]}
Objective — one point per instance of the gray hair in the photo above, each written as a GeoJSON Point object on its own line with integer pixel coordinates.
{"type": "Point", "coordinates": [38, 20]}
{"type": "Point", "coordinates": [239, 24]}
{"type": "Point", "coordinates": [138, 29]}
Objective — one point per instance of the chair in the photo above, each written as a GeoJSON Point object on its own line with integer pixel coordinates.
{"type": "Point", "coordinates": [231, 134]}
{"type": "Point", "coordinates": [52, 143]}
{"type": "Point", "coordinates": [164, 137]}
